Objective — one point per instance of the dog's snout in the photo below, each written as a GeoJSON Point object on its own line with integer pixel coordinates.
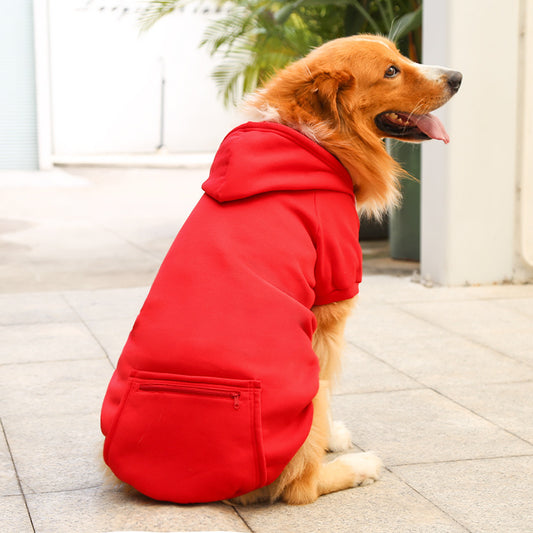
{"type": "Point", "coordinates": [454, 81]}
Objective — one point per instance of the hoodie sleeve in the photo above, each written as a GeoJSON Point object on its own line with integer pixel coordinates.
{"type": "Point", "coordinates": [338, 268]}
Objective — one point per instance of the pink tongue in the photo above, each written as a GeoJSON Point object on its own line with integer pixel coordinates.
{"type": "Point", "coordinates": [431, 126]}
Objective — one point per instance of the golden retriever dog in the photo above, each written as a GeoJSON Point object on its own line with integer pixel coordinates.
{"type": "Point", "coordinates": [346, 96]}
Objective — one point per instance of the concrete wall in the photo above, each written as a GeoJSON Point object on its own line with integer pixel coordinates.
{"type": "Point", "coordinates": [525, 186]}
{"type": "Point", "coordinates": [470, 188]}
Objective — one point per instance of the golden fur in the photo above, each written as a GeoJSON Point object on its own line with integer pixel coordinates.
{"type": "Point", "coordinates": [334, 96]}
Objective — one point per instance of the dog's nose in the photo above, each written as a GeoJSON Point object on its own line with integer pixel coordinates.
{"type": "Point", "coordinates": [454, 81]}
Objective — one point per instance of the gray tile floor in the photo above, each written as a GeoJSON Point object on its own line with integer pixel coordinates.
{"type": "Point", "coordinates": [438, 382]}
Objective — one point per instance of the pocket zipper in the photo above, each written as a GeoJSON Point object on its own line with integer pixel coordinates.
{"type": "Point", "coordinates": [200, 391]}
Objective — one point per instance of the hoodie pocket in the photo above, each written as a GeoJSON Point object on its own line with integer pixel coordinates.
{"type": "Point", "coordinates": [188, 439]}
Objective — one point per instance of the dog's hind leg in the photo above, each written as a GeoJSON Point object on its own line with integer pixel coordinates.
{"type": "Point", "coordinates": [328, 344]}
{"type": "Point", "coordinates": [307, 477]}
{"type": "Point", "coordinates": [328, 339]}
{"type": "Point", "coordinates": [299, 481]}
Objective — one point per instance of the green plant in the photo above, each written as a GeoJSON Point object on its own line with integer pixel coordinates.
{"type": "Point", "coordinates": [255, 38]}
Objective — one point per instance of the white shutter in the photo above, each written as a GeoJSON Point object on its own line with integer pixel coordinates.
{"type": "Point", "coordinates": [18, 124]}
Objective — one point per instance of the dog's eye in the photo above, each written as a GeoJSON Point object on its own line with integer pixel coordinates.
{"type": "Point", "coordinates": [392, 72]}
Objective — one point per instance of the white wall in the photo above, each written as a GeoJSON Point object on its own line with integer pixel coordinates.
{"type": "Point", "coordinates": [106, 81]}
{"type": "Point", "coordinates": [469, 187]}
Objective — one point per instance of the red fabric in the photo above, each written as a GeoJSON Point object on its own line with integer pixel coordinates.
{"type": "Point", "coordinates": [212, 394]}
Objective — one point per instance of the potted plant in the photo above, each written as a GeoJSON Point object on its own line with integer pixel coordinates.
{"type": "Point", "coordinates": [255, 38]}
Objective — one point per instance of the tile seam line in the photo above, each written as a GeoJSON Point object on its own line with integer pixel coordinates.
{"type": "Point", "coordinates": [91, 333]}
{"type": "Point", "coordinates": [84, 359]}
{"type": "Point", "coordinates": [518, 311]}
{"type": "Point", "coordinates": [405, 374]}
{"type": "Point", "coordinates": [48, 322]}
{"type": "Point", "coordinates": [103, 487]}
{"type": "Point", "coordinates": [414, 301]}
{"type": "Point", "coordinates": [455, 402]}
{"type": "Point", "coordinates": [464, 337]}
{"type": "Point", "coordinates": [17, 474]}
{"type": "Point", "coordinates": [35, 323]}
{"type": "Point", "coordinates": [421, 387]}
{"type": "Point", "coordinates": [64, 491]}
{"type": "Point", "coordinates": [458, 298]}
{"type": "Point", "coordinates": [465, 460]}
{"type": "Point", "coordinates": [342, 394]}
{"type": "Point", "coordinates": [430, 388]}
{"type": "Point", "coordinates": [138, 247]}
{"type": "Point", "coordinates": [445, 513]}
{"type": "Point", "coordinates": [236, 510]}
{"type": "Point", "coordinates": [488, 420]}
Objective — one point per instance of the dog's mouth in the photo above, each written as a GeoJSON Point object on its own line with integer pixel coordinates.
{"type": "Point", "coordinates": [411, 127]}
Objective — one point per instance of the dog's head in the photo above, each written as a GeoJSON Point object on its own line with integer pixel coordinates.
{"type": "Point", "coordinates": [372, 82]}
{"type": "Point", "coordinates": [351, 93]}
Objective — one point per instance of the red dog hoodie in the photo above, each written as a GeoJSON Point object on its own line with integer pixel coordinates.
{"type": "Point", "coordinates": [212, 394]}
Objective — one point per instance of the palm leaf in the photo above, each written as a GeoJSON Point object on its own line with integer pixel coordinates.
{"type": "Point", "coordinates": [405, 24]}
{"type": "Point", "coordinates": [224, 32]}
{"type": "Point", "coordinates": [373, 24]}
{"type": "Point", "coordinates": [156, 10]}
{"type": "Point", "coordinates": [286, 11]}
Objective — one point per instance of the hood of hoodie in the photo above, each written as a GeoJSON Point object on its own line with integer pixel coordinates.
{"type": "Point", "coordinates": [260, 157]}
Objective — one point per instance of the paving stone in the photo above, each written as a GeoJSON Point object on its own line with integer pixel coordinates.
{"type": "Point", "coordinates": [14, 516]}
{"type": "Point", "coordinates": [385, 289]}
{"type": "Point", "coordinates": [388, 505]}
{"type": "Point", "coordinates": [8, 478]}
{"type": "Point", "coordinates": [31, 308]}
{"type": "Point", "coordinates": [363, 373]}
{"type": "Point", "coordinates": [95, 510]}
{"type": "Point", "coordinates": [107, 303]}
{"type": "Point", "coordinates": [112, 334]}
{"type": "Point", "coordinates": [56, 453]}
{"type": "Point", "coordinates": [154, 235]}
{"type": "Point", "coordinates": [521, 305]}
{"type": "Point", "coordinates": [486, 496]}
{"type": "Point", "coordinates": [63, 255]}
{"type": "Point", "coordinates": [375, 327]}
{"type": "Point", "coordinates": [26, 343]}
{"type": "Point", "coordinates": [485, 322]}
{"type": "Point", "coordinates": [55, 388]}
{"type": "Point", "coordinates": [500, 291]}
{"type": "Point", "coordinates": [509, 405]}
{"type": "Point", "coordinates": [418, 426]}
{"type": "Point", "coordinates": [448, 359]}
{"type": "Point", "coordinates": [388, 289]}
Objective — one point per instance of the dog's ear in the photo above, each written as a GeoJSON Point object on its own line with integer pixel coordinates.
{"type": "Point", "coordinates": [322, 94]}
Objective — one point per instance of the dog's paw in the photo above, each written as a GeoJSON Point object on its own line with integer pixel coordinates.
{"type": "Point", "coordinates": [366, 467]}
{"type": "Point", "coordinates": [340, 438]}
